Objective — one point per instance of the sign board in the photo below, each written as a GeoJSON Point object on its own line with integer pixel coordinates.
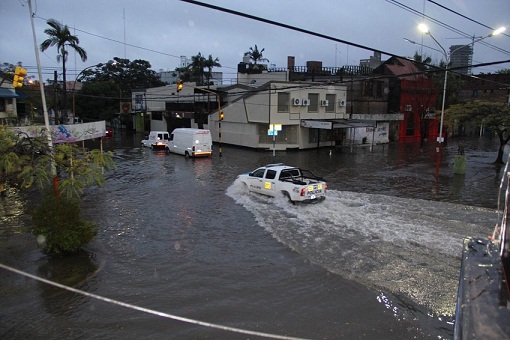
{"type": "Point", "coordinates": [273, 129]}
{"type": "Point", "coordinates": [67, 133]}
{"type": "Point", "coordinates": [316, 124]}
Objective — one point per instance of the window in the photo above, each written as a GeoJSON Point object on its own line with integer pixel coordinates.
{"type": "Point", "coordinates": [2, 104]}
{"type": "Point", "coordinates": [331, 98]}
{"type": "Point", "coordinates": [271, 174]}
{"type": "Point", "coordinates": [410, 126]}
{"type": "Point", "coordinates": [157, 115]}
{"type": "Point", "coordinates": [314, 102]}
{"type": "Point", "coordinates": [368, 89]}
{"type": "Point", "coordinates": [283, 101]}
{"type": "Point", "coordinates": [379, 89]}
{"type": "Point", "coordinates": [139, 99]}
{"type": "Point", "coordinates": [288, 134]}
{"type": "Point", "coordinates": [258, 173]}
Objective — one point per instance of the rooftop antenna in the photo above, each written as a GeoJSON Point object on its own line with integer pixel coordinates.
{"type": "Point", "coordinates": [124, 17]}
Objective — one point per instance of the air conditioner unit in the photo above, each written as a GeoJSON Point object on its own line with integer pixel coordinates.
{"type": "Point", "coordinates": [297, 101]}
{"type": "Point", "coordinates": [324, 102]}
{"type": "Point", "coordinates": [341, 103]}
{"type": "Point", "coordinates": [306, 102]}
{"type": "Point", "coordinates": [408, 108]}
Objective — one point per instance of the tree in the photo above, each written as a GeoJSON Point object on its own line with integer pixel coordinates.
{"type": "Point", "coordinates": [61, 36]}
{"type": "Point", "coordinates": [495, 116]}
{"type": "Point", "coordinates": [209, 64]}
{"type": "Point", "coordinates": [196, 68]}
{"type": "Point", "coordinates": [256, 55]}
{"type": "Point", "coordinates": [27, 162]}
{"type": "Point", "coordinates": [107, 84]}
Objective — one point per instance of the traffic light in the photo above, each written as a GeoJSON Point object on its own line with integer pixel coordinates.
{"type": "Point", "coordinates": [180, 85]}
{"type": "Point", "coordinates": [19, 75]}
{"type": "Point", "coordinates": [221, 115]}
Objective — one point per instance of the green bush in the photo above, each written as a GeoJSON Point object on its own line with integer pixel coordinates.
{"type": "Point", "coordinates": [59, 226]}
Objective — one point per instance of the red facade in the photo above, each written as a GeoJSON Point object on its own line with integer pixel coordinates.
{"type": "Point", "coordinates": [414, 95]}
{"type": "Point", "coordinates": [417, 101]}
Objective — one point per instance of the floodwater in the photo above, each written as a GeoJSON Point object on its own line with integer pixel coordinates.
{"type": "Point", "coordinates": [379, 258]}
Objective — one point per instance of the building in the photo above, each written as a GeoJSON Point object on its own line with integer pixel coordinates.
{"type": "Point", "coordinates": [289, 108]}
{"type": "Point", "coordinates": [486, 87]}
{"type": "Point", "coordinates": [8, 109]}
{"type": "Point", "coordinates": [414, 94]}
{"type": "Point", "coordinates": [461, 58]}
{"type": "Point", "coordinates": [282, 115]}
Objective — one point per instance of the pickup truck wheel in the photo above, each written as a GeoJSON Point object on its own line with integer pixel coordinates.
{"type": "Point", "coordinates": [186, 155]}
{"type": "Point", "coordinates": [245, 189]}
{"type": "Point", "coordinates": [286, 194]}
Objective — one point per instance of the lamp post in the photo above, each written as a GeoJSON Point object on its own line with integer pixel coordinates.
{"type": "Point", "coordinates": [440, 139]}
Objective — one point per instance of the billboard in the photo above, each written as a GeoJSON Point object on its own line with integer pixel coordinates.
{"type": "Point", "coordinates": [66, 133]}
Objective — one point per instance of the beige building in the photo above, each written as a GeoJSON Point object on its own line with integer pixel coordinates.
{"type": "Point", "coordinates": [281, 115]}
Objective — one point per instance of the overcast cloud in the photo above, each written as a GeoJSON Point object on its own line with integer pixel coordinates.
{"type": "Point", "coordinates": [160, 31]}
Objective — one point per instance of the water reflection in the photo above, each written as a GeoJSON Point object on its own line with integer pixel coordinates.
{"type": "Point", "coordinates": [177, 237]}
{"type": "Point", "coordinates": [75, 271]}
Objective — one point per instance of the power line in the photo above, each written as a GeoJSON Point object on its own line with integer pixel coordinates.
{"type": "Point", "coordinates": [116, 41]}
{"type": "Point", "coordinates": [442, 24]}
{"type": "Point", "coordinates": [463, 16]}
{"type": "Point", "coordinates": [143, 309]}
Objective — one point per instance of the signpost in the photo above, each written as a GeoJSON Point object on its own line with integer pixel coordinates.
{"type": "Point", "coordinates": [273, 131]}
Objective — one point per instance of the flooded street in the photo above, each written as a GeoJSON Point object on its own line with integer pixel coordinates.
{"type": "Point", "coordinates": [379, 258]}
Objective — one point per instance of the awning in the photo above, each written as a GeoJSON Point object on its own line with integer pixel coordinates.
{"type": "Point", "coordinates": [353, 123]}
{"type": "Point", "coordinates": [337, 124]}
{"type": "Point", "coordinates": [7, 93]}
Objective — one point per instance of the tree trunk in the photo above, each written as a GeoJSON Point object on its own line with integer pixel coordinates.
{"type": "Point", "coordinates": [64, 101]}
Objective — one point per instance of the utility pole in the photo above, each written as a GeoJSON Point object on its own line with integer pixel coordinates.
{"type": "Point", "coordinates": [43, 95]}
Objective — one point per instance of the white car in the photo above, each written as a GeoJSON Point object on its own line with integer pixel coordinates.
{"type": "Point", "coordinates": [296, 184]}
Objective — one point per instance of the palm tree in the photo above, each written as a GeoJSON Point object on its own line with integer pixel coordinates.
{"type": "Point", "coordinates": [197, 68]}
{"type": "Point", "coordinates": [209, 64]}
{"type": "Point", "coordinates": [61, 36]}
{"type": "Point", "coordinates": [256, 55]}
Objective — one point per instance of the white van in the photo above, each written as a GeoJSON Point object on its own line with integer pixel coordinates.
{"type": "Point", "coordinates": [190, 142]}
{"type": "Point", "coordinates": [156, 139]}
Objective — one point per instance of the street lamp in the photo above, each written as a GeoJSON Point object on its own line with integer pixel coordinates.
{"type": "Point", "coordinates": [424, 29]}
{"type": "Point", "coordinates": [74, 87]}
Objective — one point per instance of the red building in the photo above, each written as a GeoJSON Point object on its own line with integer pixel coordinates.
{"type": "Point", "coordinates": [414, 94]}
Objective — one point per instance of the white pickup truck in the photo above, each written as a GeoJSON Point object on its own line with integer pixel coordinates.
{"type": "Point", "coordinates": [296, 184]}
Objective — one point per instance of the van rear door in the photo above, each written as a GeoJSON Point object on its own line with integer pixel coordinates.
{"type": "Point", "coordinates": [202, 143]}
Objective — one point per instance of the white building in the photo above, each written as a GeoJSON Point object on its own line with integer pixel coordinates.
{"type": "Point", "coordinates": [281, 115]}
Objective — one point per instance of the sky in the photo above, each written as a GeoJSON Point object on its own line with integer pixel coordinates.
{"type": "Point", "coordinates": [160, 31]}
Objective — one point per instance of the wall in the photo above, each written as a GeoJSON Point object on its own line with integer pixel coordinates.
{"type": "Point", "coordinates": [369, 135]}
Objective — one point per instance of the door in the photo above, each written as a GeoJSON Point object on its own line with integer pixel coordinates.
{"type": "Point", "coordinates": [255, 180]}
{"type": "Point", "coordinates": [269, 181]}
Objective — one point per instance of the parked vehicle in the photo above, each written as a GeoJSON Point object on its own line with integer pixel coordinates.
{"type": "Point", "coordinates": [190, 142]}
{"type": "Point", "coordinates": [296, 184]}
{"type": "Point", "coordinates": [156, 139]}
